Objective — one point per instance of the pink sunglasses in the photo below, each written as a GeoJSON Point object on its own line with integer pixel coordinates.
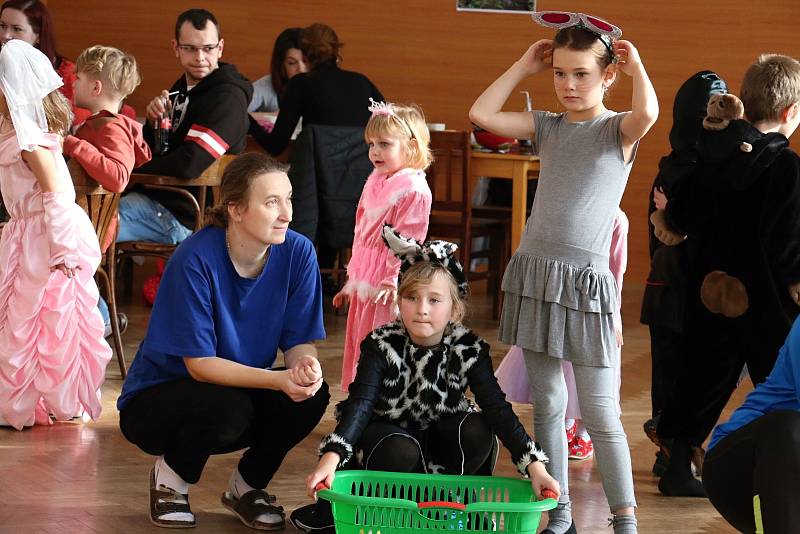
{"type": "Point", "coordinates": [567, 19]}
{"type": "Point", "coordinates": [605, 31]}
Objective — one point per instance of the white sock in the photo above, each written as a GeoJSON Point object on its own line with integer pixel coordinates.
{"type": "Point", "coordinates": [238, 487]}
{"type": "Point", "coordinates": [568, 423]}
{"type": "Point", "coordinates": [581, 432]}
{"type": "Point", "coordinates": [167, 478]}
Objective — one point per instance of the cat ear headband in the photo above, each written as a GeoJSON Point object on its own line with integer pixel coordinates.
{"type": "Point", "coordinates": [604, 30]}
{"type": "Point", "coordinates": [409, 251]}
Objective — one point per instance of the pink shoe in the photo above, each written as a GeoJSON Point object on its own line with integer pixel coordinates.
{"type": "Point", "coordinates": [580, 449]}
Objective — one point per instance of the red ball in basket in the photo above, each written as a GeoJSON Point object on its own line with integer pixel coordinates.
{"type": "Point", "coordinates": [494, 141]}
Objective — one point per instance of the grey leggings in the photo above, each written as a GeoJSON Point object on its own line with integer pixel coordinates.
{"type": "Point", "coordinates": [598, 403]}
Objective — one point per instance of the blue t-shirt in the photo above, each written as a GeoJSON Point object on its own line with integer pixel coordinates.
{"type": "Point", "coordinates": [780, 391]}
{"type": "Point", "coordinates": [204, 308]}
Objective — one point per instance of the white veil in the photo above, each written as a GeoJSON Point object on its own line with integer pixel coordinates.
{"type": "Point", "coordinates": [26, 77]}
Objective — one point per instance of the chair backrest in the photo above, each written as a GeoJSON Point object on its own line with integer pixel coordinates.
{"type": "Point", "coordinates": [99, 204]}
{"type": "Point", "coordinates": [449, 175]}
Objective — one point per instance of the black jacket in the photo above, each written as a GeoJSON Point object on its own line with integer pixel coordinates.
{"type": "Point", "coordinates": [327, 95]}
{"type": "Point", "coordinates": [329, 166]}
{"type": "Point", "coordinates": [216, 115]}
{"type": "Point", "coordinates": [741, 212]}
{"type": "Point", "coordinates": [390, 386]}
{"type": "Point", "coordinates": [664, 299]}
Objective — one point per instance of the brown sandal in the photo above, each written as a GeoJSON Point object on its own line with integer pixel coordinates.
{"type": "Point", "coordinates": [168, 501]}
{"type": "Point", "coordinates": [253, 504]}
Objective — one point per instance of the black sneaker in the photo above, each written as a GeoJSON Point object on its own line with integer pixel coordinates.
{"type": "Point", "coordinates": [660, 464]}
{"type": "Point", "coordinates": [316, 518]}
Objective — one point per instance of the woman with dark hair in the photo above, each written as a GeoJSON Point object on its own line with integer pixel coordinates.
{"type": "Point", "coordinates": [326, 95]}
{"type": "Point", "coordinates": [30, 21]}
{"type": "Point", "coordinates": [203, 381]}
{"type": "Point", "coordinates": [287, 61]}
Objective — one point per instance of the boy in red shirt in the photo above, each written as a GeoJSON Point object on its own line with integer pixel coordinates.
{"type": "Point", "coordinates": [107, 145]}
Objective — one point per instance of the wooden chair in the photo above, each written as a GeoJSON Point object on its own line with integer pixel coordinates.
{"type": "Point", "coordinates": [101, 207]}
{"type": "Point", "coordinates": [211, 177]}
{"type": "Point", "coordinates": [450, 181]}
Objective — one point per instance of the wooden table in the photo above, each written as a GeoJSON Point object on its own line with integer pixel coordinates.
{"type": "Point", "coordinates": [513, 166]}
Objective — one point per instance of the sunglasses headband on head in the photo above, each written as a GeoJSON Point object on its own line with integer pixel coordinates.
{"type": "Point", "coordinates": [387, 109]}
{"type": "Point", "coordinates": [604, 30]}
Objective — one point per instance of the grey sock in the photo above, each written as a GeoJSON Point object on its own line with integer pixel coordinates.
{"type": "Point", "coordinates": [624, 524]}
{"type": "Point", "coordinates": [560, 518]}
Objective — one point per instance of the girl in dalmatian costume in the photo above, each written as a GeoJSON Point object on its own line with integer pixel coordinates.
{"type": "Point", "coordinates": [407, 410]}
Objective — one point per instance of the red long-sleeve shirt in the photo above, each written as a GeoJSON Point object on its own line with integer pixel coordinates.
{"type": "Point", "coordinates": [108, 147]}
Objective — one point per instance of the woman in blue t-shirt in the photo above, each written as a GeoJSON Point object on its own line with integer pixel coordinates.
{"type": "Point", "coordinates": [757, 452]}
{"type": "Point", "coordinates": [202, 381]}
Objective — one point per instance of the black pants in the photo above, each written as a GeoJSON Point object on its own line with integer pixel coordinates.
{"type": "Point", "coordinates": [761, 458]}
{"type": "Point", "coordinates": [716, 349]}
{"type": "Point", "coordinates": [666, 349]}
{"type": "Point", "coordinates": [187, 421]}
{"type": "Point", "coordinates": [462, 444]}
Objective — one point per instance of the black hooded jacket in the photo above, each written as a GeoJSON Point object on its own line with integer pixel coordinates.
{"type": "Point", "coordinates": [214, 122]}
{"type": "Point", "coordinates": [664, 297]}
{"type": "Point", "coordinates": [741, 212]}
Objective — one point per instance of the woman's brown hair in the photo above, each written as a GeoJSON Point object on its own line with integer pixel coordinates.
{"type": "Point", "coordinates": [320, 44]}
{"type": "Point", "coordinates": [236, 183]}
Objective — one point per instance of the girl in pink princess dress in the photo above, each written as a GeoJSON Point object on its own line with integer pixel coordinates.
{"type": "Point", "coordinates": [396, 193]}
{"type": "Point", "coordinates": [52, 352]}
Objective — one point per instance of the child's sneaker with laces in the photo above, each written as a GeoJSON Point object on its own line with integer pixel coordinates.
{"type": "Point", "coordinates": [580, 448]}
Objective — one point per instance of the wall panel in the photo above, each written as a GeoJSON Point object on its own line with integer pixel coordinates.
{"type": "Point", "coordinates": [426, 52]}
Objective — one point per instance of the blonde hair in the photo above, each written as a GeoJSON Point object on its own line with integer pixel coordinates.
{"type": "Point", "coordinates": [112, 66]}
{"type": "Point", "coordinates": [58, 111]}
{"type": "Point", "coordinates": [237, 180]}
{"type": "Point", "coordinates": [407, 122]}
{"type": "Point", "coordinates": [770, 85]}
{"type": "Point", "coordinates": [422, 274]}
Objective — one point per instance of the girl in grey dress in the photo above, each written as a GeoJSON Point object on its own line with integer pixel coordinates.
{"type": "Point", "coordinates": [559, 293]}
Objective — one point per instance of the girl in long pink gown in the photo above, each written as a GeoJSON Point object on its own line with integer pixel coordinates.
{"type": "Point", "coordinates": [52, 351]}
{"type": "Point", "coordinates": [396, 193]}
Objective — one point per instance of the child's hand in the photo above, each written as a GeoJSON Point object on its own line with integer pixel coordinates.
{"type": "Point", "coordinates": [383, 295]}
{"type": "Point", "coordinates": [794, 291]}
{"type": "Point", "coordinates": [324, 473]}
{"type": "Point", "coordinates": [68, 272]}
{"type": "Point", "coordinates": [538, 57]}
{"type": "Point", "coordinates": [660, 199]}
{"type": "Point", "coordinates": [541, 480]}
{"type": "Point", "coordinates": [618, 335]}
{"type": "Point", "coordinates": [628, 55]}
{"type": "Point", "coordinates": [340, 299]}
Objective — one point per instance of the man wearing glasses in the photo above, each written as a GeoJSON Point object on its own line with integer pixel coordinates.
{"type": "Point", "coordinates": [207, 112]}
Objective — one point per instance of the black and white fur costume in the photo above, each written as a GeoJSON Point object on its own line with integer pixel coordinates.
{"type": "Point", "coordinates": [414, 387]}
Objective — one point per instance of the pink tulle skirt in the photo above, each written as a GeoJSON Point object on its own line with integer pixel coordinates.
{"type": "Point", "coordinates": [512, 375]}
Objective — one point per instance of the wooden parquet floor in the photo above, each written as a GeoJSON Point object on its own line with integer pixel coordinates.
{"type": "Point", "coordinates": [86, 478]}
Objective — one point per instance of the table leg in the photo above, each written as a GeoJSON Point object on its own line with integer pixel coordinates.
{"type": "Point", "coordinates": [519, 201]}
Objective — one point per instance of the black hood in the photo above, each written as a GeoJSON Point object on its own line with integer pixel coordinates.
{"type": "Point", "coordinates": [225, 74]}
{"type": "Point", "coordinates": [724, 148]}
{"type": "Point", "coordinates": [689, 108]}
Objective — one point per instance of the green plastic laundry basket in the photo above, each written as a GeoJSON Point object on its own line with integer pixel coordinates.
{"type": "Point", "coordinates": [377, 502]}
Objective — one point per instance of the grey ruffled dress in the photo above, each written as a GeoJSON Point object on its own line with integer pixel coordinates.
{"type": "Point", "coordinates": [560, 295]}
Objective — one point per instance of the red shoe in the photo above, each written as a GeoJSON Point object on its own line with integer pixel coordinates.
{"type": "Point", "coordinates": [571, 430]}
{"type": "Point", "coordinates": [580, 449]}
